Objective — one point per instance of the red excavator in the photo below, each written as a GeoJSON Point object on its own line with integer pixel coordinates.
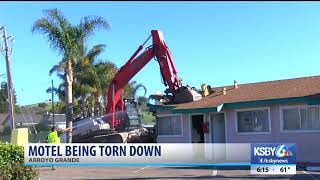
{"type": "Point", "coordinates": [175, 92]}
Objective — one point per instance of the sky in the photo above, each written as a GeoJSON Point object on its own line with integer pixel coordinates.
{"type": "Point", "coordinates": [210, 42]}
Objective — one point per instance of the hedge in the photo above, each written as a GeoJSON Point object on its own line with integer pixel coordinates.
{"type": "Point", "coordinates": [11, 163]}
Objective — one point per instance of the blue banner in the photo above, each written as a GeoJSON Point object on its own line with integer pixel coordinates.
{"type": "Point", "coordinates": [273, 153]}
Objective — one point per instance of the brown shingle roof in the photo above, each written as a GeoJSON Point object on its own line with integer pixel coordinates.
{"type": "Point", "coordinates": [298, 87]}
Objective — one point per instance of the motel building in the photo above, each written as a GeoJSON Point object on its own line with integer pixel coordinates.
{"type": "Point", "coordinates": [281, 111]}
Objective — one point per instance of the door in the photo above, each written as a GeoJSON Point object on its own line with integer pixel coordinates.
{"type": "Point", "coordinates": [218, 136]}
{"type": "Point", "coordinates": [218, 128]}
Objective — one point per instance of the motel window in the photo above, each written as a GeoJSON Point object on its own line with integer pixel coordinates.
{"type": "Point", "coordinates": [170, 125]}
{"type": "Point", "coordinates": [253, 121]}
{"type": "Point", "coordinates": [301, 118]}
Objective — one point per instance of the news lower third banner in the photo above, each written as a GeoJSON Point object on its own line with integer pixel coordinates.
{"type": "Point", "coordinates": [263, 158]}
{"type": "Point", "coordinates": [104, 154]}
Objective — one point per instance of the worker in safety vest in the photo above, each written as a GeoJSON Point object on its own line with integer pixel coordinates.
{"type": "Point", "coordinates": [54, 137]}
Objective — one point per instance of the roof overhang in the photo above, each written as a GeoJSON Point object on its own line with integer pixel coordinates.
{"type": "Point", "coordinates": [153, 107]}
{"type": "Point", "coordinates": [310, 100]}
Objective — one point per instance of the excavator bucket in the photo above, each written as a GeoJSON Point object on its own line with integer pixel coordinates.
{"type": "Point", "coordinates": [186, 94]}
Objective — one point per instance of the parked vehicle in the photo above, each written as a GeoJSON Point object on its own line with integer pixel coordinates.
{"type": "Point", "coordinates": [89, 126]}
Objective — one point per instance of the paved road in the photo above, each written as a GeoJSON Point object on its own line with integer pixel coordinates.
{"type": "Point", "coordinates": [147, 172]}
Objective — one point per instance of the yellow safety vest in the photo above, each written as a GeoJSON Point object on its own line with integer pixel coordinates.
{"type": "Point", "coordinates": [53, 137]}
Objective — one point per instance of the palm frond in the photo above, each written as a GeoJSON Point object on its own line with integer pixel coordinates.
{"type": "Point", "coordinates": [88, 24]}
{"type": "Point", "coordinates": [94, 52]}
{"type": "Point", "coordinates": [58, 68]}
{"type": "Point", "coordinates": [53, 33]}
{"type": "Point", "coordinates": [138, 86]}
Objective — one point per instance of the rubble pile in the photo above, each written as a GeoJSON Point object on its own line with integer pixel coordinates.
{"type": "Point", "coordinates": [141, 135]}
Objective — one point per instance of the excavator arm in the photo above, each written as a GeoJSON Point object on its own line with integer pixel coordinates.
{"type": "Point", "coordinates": [115, 102]}
{"type": "Point", "coordinates": [158, 50]}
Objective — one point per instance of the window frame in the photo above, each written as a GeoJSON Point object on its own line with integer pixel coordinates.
{"type": "Point", "coordinates": [253, 109]}
{"type": "Point", "coordinates": [170, 115]}
{"type": "Point", "coordinates": [296, 130]}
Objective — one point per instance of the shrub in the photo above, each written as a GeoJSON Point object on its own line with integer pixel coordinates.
{"type": "Point", "coordinates": [11, 163]}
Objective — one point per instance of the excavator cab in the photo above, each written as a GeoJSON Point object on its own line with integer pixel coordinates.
{"type": "Point", "coordinates": [132, 112]}
{"type": "Point", "coordinates": [130, 117]}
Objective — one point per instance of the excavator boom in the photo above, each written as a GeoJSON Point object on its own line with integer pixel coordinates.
{"type": "Point", "coordinates": [160, 51]}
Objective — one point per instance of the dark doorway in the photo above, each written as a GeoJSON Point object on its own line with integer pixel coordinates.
{"type": "Point", "coordinates": [196, 129]}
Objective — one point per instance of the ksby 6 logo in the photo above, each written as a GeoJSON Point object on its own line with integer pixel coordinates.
{"type": "Point", "coordinates": [283, 151]}
{"type": "Point", "coordinates": [280, 151]}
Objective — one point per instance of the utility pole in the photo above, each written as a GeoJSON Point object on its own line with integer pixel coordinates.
{"type": "Point", "coordinates": [52, 99]}
{"type": "Point", "coordinates": [7, 51]}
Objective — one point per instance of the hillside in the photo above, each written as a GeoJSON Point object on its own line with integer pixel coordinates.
{"type": "Point", "coordinates": [38, 108]}
{"type": "Point", "coordinates": [44, 107]}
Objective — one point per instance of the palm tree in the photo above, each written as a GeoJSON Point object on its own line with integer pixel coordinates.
{"type": "Point", "coordinates": [97, 78]}
{"type": "Point", "coordinates": [60, 89]}
{"type": "Point", "coordinates": [132, 88]}
{"type": "Point", "coordinates": [68, 40]}
{"type": "Point", "coordinates": [85, 75]}
{"type": "Point", "coordinates": [105, 71]}
{"type": "Point", "coordinates": [91, 80]}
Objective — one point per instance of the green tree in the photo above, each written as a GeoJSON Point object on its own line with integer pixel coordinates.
{"type": "Point", "coordinates": [91, 80]}
{"type": "Point", "coordinates": [91, 84]}
{"type": "Point", "coordinates": [142, 102]}
{"type": "Point", "coordinates": [68, 40]}
{"type": "Point", "coordinates": [4, 104]}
